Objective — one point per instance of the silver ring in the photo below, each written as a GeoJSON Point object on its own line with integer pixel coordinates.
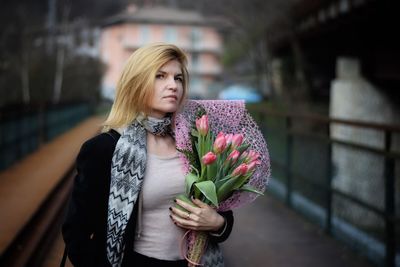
{"type": "Point", "coordinates": [188, 215]}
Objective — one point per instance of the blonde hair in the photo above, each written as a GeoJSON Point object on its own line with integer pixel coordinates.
{"type": "Point", "coordinates": [135, 87]}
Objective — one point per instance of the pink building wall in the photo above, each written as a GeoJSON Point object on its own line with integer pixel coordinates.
{"type": "Point", "coordinates": [202, 43]}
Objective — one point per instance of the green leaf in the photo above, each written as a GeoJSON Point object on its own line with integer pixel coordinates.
{"type": "Point", "coordinates": [197, 149]}
{"type": "Point", "coordinates": [193, 168]}
{"type": "Point", "coordinates": [208, 190]}
{"type": "Point", "coordinates": [249, 188]}
{"type": "Point", "coordinates": [184, 199]}
{"type": "Point", "coordinates": [226, 188]}
{"type": "Point", "coordinates": [194, 159]}
{"type": "Point", "coordinates": [191, 178]}
{"type": "Point", "coordinates": [209, 141]}
{"type": "Point", "coordinates": [243, 147]}
{"type": "Point", "coordinates": [242, 181]}
{"type": "Point", "coordinates": [212, 171]}
{"type": "Point", "coordinates": [220, 182]}
{"type": "Point", "coordinates": [194, 132]}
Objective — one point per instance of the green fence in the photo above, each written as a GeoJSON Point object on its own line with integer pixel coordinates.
{"type": "Point", "coordinates": [23, 129]}
{"type": "Point", "coordinates": [324, 177]}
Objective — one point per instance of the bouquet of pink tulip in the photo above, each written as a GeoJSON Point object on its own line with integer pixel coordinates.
{"type": "Point", "coordinates": [226, 165]}
{"type": "Point", "coordinates": [219, 166]}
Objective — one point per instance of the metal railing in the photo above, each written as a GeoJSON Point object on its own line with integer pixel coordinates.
{"type": "Point", "coordinates": [24, 129]}
{"type": "Point", "coordinates": [283, 132]}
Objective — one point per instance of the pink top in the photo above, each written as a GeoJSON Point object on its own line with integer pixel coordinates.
{"type": "Point", "coordinates": [157, 236]}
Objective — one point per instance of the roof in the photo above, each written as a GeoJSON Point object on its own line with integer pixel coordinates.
{"type": "Point", "coordinates": [163, 15]}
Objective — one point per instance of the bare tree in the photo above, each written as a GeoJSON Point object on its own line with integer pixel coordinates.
{"type": "Point", "coordinates": [24, 56]}
{"type": "Point", "coordinates": [61, 50]}
{"type": "Point", "coordinates": [25, 72]}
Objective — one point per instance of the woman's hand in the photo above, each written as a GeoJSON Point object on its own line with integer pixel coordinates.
{"type": "Point", "coordinates": [202, 217]}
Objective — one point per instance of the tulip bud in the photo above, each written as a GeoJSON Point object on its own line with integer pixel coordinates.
{"type": "Point", "coordinates": [228, 138]}
{"type": "Point", "coordinates": [252, 165]}
{"type": "Point", "coordinates": [237, 140]}
{"type": "Point", "coordinates": [219, 143]}
{"type": "Point", "coordinates": [234, 155]}
{"type": "Point", "coordinates": [208, 158]}
{"type": "Point", "coordinates": [202, 125]}
{"type": "Point", "coordinates": [240, 170]}
{"type": "Point", "coordinates": [253, 155]}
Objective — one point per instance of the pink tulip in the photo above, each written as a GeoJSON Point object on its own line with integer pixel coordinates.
{"type": "Point", "coordinates": [253, 155]}
{"type": "Point", "coordinates": [237, 140]}
{"type": "Point", "coordinates": [240, 170]}
{"type": "Point", "coordinates": [219, 143]}
{"type": "Point", "coordinates": [208, 158]}
{"type": "Point", "coordinates": [234, 155]}
{"type": "Point", "coordinates": [252, 165]}
{"type": "Point", "coordinates": [228, 138]}
{"type": "Point", "coordinates": [202, 125]}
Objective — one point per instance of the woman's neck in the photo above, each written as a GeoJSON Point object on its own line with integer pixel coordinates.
{"type": "Point", "coordinates": [160, 145]}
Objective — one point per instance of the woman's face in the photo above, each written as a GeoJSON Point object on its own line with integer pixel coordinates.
{"type": "Point", "coordinates": [168, 89]}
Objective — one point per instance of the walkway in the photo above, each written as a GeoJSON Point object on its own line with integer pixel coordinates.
{"type": "Point", "coordinates": [267, 233]}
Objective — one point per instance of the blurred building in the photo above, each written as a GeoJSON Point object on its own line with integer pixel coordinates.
{"type": "Point", "coordinates": [197, 35]}
{"type": "Point", "coordinates": [350, 53]}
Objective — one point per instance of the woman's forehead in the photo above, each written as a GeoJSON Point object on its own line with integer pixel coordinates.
{"type": "Point", "coordinates": [173, 66]}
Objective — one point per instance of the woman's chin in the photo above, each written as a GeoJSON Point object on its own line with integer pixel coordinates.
{"type": "Point", "coordinates": [172, 108]}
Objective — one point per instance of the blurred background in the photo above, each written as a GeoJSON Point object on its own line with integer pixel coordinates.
{"type": "Point", "coordinates": [321, 78]}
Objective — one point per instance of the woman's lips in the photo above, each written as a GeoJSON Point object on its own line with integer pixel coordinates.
{"type": "Point", "coordinates": [172, 97]}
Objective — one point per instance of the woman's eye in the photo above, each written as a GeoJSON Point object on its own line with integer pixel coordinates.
{"type": "Point", "coordinates": [179, 79]}
{"type": "Point", "coordinates": [160, 76]}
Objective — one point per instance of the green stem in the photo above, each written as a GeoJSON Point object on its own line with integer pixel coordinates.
{"type": "Point", "coordinates": [201, 154]}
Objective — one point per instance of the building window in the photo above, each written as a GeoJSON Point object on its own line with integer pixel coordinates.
{"type": "Point", "coordinates": [144, 35]}
{"type": "Point", "coordinates": [195, 60]}
{"type": "Point", "coordinates": [195, 37]}
{"type": "Point", "coordinates": [196, 88]}
{"type": "Point", "coordinates": [170, 35]}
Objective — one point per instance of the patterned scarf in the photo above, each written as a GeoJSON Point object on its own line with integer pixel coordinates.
{"type": "Point", "coordinates": [127, 173]}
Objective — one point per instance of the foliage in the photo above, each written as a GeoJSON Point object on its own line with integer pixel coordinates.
{"type": "Point", "coordinates": [82, 77]}
{"type": "Point", "coordinates": [27, 66]}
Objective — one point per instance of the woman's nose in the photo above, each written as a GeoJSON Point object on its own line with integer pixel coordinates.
{"type": "Point", "coordinates": [172, 83]}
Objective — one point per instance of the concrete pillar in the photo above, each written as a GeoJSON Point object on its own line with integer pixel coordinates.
{"type": "Point", "coordinates": [277, 76]}
{"type": "Point", "coordinates": [358, 172]}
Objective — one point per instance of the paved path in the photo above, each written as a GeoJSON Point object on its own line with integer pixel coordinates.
{"type": "Point", "coordinates": [267, 233]}
{"type": "Point", "coordinates": [26, 184]}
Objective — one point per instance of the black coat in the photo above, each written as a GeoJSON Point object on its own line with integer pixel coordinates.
{"type": "Point", "coordinates": [85, 226]}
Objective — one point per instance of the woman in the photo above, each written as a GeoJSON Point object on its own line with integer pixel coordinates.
{"type": "Point", "coordinates": [122, 208]}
